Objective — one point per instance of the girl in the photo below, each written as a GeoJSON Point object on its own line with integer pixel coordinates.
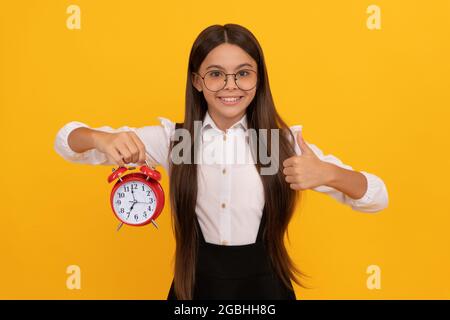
{"type": "Point", "coordinates": [229, 219]}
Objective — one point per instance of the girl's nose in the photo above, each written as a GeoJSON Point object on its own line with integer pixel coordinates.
{"type": "Point", "coordinates": [230, 83]}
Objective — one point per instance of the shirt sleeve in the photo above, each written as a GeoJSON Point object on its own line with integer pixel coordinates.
{"type": "Point", "coordinates": [155, 138]}
{"type": "Point", "coordinates": [376, 197]}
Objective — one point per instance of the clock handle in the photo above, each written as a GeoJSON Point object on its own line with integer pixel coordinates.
{"type": "Point", "coordinates": [151, 162]}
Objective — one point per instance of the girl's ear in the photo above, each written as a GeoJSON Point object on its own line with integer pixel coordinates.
{"type": "Point", "coordinates": [196, 82]}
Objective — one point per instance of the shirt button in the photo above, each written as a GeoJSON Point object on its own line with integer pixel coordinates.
{"type": "Point", "coordinates": [224, 242]}
{"type": "Point", "coordinates": [224, 171]}
{"type": "Point", "coordinates": [223, 205]}
{"type": "Point", "coordinates": [224, 137]}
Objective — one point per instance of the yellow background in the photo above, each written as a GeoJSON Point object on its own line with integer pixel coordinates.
{"type": "Point", "coordinates": [377, 99]}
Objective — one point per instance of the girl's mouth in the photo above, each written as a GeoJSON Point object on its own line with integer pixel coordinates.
{"type": "Point", "coordinates": [230, 101]}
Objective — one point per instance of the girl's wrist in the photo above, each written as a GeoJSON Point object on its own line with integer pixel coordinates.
{"type": "Point", "coordinates": [94, 136]}
{"type": "Point", "coordinates": [331, 174]}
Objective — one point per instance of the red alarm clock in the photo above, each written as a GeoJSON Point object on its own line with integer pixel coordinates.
{"type": "Point", "coordinates": [137, 198]}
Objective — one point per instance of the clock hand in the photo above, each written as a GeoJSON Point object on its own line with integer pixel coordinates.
{"type": "Point", "coordinates": [139, 202]}
{"type": "Point", "coordinates": [134, 200]}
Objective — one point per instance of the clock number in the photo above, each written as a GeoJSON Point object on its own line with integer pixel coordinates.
{"type": "Point", "coordinates": [128, 215]}
{"type": "Point", "coordinates": [134, 186]}
{"type": "Point", "coordinates": [151, 200]}
{"type": "Point", "coordinates": [144, 214]}
{"type": "Point", "coordinates": [136, 217]}
{"type": "Point", "coordinates": [126, 188]}
{"type": "Point", "coordinates": [148, 193]}
{"type": "Point", "coordinates": [121, 195]}
{"type": "Point", "coordinates": [122, 210]}
{"type": "Point", "coordinates": [118, 202]}
{"type": "Point", "coordinates": [143, 188]}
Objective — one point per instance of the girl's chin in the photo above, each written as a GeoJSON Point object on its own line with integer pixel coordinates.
{"type": "Point", "coordinates": [230, 112]}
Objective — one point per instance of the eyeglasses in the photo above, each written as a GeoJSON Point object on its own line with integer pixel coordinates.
{"type": "Point", "coordinates": [216, 80]}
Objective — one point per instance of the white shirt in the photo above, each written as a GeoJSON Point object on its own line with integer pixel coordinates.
{"type": "Point", "coordinates": [230, 194]}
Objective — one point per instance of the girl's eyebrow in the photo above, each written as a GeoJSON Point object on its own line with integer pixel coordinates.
{"type": "Point", "coordinates": [220, 67]}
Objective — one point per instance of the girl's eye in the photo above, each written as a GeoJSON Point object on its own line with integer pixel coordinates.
{"type": "Point", "coordinates": [215, 73]}
{"type": "Point", "coordinates": [243, 73]}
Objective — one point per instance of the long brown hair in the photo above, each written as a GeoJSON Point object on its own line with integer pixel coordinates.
{"type": "Point", "coordinates": [280, 199]}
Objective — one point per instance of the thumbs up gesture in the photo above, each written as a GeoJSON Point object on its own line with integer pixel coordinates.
{"type": "Point", "coordinates": [306, 171]}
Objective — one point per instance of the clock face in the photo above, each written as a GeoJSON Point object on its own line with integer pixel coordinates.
{"type": "Point", "coordinates": [134, 202]}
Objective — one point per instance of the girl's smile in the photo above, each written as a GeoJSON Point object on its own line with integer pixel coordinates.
{"type": "Point", "coordinates": [230, 100]}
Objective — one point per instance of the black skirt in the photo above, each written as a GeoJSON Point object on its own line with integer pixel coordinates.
{"type": "Point", "coordinates": [236, 272]}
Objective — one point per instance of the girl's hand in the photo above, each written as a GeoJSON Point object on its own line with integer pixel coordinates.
{"type": "Point", "coordinates": [306, 171]}
{"type": "Point", "coordinates": [121, 147]}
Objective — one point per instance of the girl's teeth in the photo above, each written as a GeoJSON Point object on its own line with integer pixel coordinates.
{"type": "Point", "coordinates": [230, 99]}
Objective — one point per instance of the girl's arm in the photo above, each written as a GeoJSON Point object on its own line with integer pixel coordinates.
{"type": "Point", "coordinates": [83, 139]}
{"type": "Point", "coordinates": [353, 183]}
{"type": "Point", "coordinates": [79, 147]}
{"type": "Point", "coordinates": [362, 191]}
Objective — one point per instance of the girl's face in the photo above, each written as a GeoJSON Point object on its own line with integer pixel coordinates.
{"type": "Point", "coordinates": [227, 58]}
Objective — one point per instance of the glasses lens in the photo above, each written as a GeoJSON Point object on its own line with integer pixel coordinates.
{"type": "Point", "coordinates": [246, 79]}
{"type": "Point", "coordinates": [215, 80]}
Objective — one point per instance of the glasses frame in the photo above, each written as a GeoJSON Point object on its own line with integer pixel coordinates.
{"type": "Point", "coordinates": [226, 79]}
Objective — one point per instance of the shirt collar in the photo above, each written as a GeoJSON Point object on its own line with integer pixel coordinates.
{"type": "Point", "coordinates": [209, 123]}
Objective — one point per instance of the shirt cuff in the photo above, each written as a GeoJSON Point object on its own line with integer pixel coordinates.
{"type": "Point", "coordinates": [62, 144]}
{"type": "Point", "coordinates": [373, 185]}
